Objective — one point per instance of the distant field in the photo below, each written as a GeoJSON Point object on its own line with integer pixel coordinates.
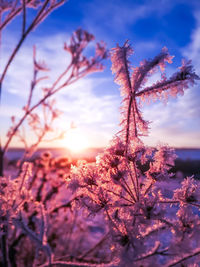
{"type": "Point", "coordinates": [188, 161]}
{"type": "Point", "coordinates": [15, 153]}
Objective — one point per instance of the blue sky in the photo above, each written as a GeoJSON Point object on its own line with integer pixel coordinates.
{"type": "Point", "coordinates": [93, 103]}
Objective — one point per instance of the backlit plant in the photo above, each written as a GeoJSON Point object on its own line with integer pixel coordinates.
{"type": "Point", "coordinates": [151, 221]}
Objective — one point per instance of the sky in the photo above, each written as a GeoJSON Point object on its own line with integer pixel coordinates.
{"type": "Point", "coordinates": [93, 103]}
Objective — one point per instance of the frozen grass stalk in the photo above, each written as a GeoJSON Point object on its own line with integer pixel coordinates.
{"type": "Point", "coordinates": [147, 225]}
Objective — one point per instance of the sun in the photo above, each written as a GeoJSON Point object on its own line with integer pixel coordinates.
{"type": "Point", "coordinates": [76, 141]}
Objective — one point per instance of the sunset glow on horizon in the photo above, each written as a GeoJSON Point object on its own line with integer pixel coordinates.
{"type": "Point", "coordinates": [75, 141]}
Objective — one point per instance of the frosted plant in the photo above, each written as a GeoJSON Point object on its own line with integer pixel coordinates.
{"type": "Point", "coordinates": [143, 216]}
{"type": "Point", "coordinates": [26, 224]}
{"type": "Point", "coordinates": [39, 223]}
{"type": "Point", "coordinates": [149, 223]}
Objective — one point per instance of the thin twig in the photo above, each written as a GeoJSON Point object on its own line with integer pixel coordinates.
{"type": "Point", "coordinates": [10, 17]}
{"type": "Point", "coordinates": [185, 258]}
{"type": "Point", "coordinates": [24, 17]}
{"type": "Point", "coordinates": [23, 37]}
{"type": "Point", "coordinates": [94, 247]}
{"type": "Point", "coordinates": [120, 196]}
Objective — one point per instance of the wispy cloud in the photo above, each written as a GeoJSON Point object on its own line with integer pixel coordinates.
{"type": "Point", "coordinates": [177, 122]}
{"type": "Point", "coordinates": [49, 49]}
{"type": "Point", "coordinates": [80, 102]}
{"type": "Point", "coordinates": [192, 51]}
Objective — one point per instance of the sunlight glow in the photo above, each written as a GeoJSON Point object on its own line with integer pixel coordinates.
{"type": "Point", "coordinates": [76, 141]}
